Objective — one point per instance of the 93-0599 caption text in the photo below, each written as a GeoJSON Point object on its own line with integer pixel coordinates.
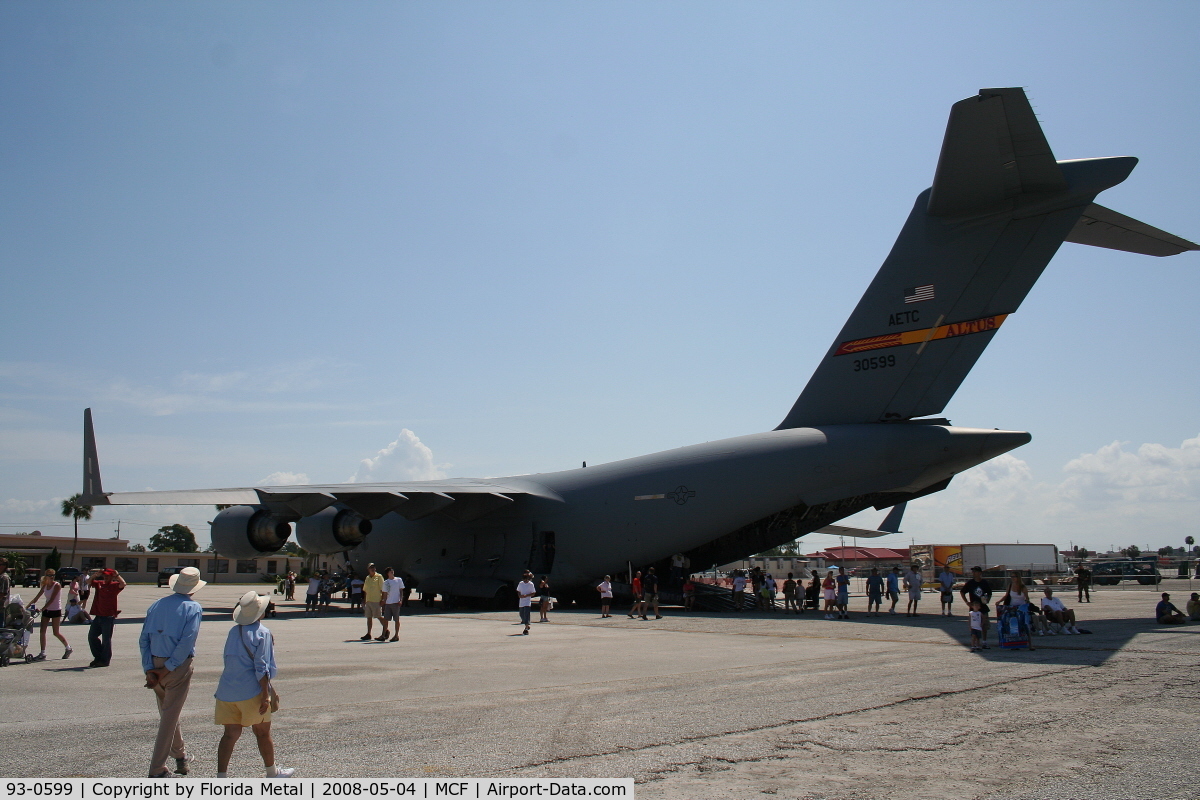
{"type": "Point", "coordinates": [314, 788]}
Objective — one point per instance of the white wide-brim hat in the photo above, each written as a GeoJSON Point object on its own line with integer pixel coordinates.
{"type": "Point", "coordinates": [250, 608]}
{"type": "Point", "coordinates": [187, 581]}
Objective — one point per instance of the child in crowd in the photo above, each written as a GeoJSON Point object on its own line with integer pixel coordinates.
{"type": "Point", "coordinates": [976, 618]}
{"type": "Point", "coordinates": [1193, 607]}
{"type": "Point", "coordinates": [75, 612]}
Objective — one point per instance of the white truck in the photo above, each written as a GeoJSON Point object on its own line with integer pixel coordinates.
{"type": "Point", "coordinates": [1036, 558]}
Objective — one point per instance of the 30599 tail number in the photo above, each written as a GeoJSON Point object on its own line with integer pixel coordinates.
{"type": "Point", "coordinates": [874, 362]}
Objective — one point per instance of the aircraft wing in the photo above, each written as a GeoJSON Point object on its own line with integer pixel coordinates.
{"type": "Point", "coordinates": [462, 499]}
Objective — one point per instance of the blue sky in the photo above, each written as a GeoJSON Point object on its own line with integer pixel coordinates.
{"type": "Point", "coordinates": [266, 239]}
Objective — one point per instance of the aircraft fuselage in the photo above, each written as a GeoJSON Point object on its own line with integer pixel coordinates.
{"type": "Point", "coordinates": [641, 510]}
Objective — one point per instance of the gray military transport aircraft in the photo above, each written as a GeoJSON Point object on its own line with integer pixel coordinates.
{"type": "Point", "coordinates": [861, 433]}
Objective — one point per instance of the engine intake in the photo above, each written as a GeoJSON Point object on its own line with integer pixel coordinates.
{"type": "Point", "coordinates": [248, 532]}
{"type": "Point", "coordinates": [332, 530]}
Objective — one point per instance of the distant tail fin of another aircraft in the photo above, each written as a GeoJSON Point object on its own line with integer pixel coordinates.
{"type": "Point", "coordinates": [972, 248]}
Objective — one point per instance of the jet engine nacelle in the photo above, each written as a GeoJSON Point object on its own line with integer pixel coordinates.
{"type": "Point", "coordinates": [248, 532]}
{"type": "Point", "coordinates": [332, 530]}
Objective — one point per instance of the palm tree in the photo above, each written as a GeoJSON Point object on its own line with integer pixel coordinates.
{"type": "Point", "coordinates": [71, 507]}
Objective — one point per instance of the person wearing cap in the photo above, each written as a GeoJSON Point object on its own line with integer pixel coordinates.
{"type": "Point", "coordinates": [108, 584]}
{"type": "Point", "coordinates": [244, 693]}
{"type": "Point", "coordinates": [168, 645]}
{"type": "Point", "coordinates": [978, 589]}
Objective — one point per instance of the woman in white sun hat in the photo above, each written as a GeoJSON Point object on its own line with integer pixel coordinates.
{"type": "Point", "coordinates": [245, 697]}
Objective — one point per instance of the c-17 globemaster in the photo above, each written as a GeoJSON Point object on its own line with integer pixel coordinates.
{"type": "Point", "coordinates": [860, 435]}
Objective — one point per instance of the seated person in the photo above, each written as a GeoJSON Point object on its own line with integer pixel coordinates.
{"type": "Point", "coordinates": [812, 594]}
{"type": "Point", "coordinates": [1058, 613]}
{"type": "Point", "coordinates": [1166, 612]}
{"type": "Point", "coordinates": [1038, 622]}
{"type": "Point", "coordinates": [1193, 607]}
{"type": "Point", "coordinates": [75, 612]}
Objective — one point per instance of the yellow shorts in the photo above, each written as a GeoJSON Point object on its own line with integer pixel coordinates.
{"type": "Point", "coordinates": [243, 712]}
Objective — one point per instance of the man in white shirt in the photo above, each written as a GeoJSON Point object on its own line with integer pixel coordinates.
{"type": "Point", "coordinates": [739, 590]}
{"type": "Point", "coordinates": [677, 570]}
{"type": "Point", "coordinates": [525, 590]}
{"type": "Point", "coordinates": [393, 590]}
{"type": "Point", "coordinates": [313, 598]}
{"type": "Point", "coordinates": [913, 582]}
{"type": "Point", "coordinates": [606, 596]}
{"type": "Point", "coordinates": [1058, 613]}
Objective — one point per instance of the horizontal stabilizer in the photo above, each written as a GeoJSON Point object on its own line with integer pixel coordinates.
{"type": "Point", "coordinates": [1103, 227]}
{"type": "Point", "coordinates": [859, 533]}
{"type": "Point", "coordinates": [890, 525]}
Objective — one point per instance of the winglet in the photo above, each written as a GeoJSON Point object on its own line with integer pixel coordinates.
{"type": "Point", "coordinates": [93, 489]}
{"type": "Point", "coordinates": [891, 523]}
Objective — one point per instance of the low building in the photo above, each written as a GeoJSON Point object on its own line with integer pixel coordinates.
{"type": "Point", "coordinates": [143, 567]}
{"type": "Point", "coordinates": [777, 566]}
{"type": "Point", "coordinates": [863, 559]}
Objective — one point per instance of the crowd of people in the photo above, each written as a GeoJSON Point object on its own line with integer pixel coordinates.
{"type": "Point", "coordinates": [106, 584]}
{"type": "Point", "coordinates": [829, 591]}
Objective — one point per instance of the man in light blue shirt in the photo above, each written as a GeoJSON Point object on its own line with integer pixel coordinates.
{"type": "Point", "coordinates": [893, 588]}
{"type": "Point", "coordinates": [168, 643]}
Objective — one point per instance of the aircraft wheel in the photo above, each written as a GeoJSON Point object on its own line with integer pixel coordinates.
{"type": "Point", "coordinates": [505, 598]}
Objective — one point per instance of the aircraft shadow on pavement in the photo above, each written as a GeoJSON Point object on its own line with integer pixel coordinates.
{"type": "Point", "coordinates": [1107, 637]}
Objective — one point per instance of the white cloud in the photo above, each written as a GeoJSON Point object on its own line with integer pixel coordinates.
{"type": "Point", "coordinates": [15, 506]}
{"type": "Point", "coordinates": [405, 459]}
{"type": "Point", "coordinates": [284, 479]}
{"type": "Point", "coordinates": [1153, 474]}
{"type": "Point", "coordinates": [1112, 496]}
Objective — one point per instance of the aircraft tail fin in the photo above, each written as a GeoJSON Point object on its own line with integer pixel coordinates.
{"type": "Point", "coordinates": [93, 488]}
{"type": "Point", "coordinates": [972, 248]}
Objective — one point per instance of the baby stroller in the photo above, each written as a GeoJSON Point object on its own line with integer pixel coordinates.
{"type": "Point", "coordinates": [14, 636]}
{"type": "Point", "coordinates": [1013, 630]}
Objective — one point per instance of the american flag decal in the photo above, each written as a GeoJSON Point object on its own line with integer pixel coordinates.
{"type": "Point", "coordinates": [918, 294]}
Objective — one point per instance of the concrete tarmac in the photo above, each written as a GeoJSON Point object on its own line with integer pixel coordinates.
{"type": "Point", "coordinates": [691, 706]}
